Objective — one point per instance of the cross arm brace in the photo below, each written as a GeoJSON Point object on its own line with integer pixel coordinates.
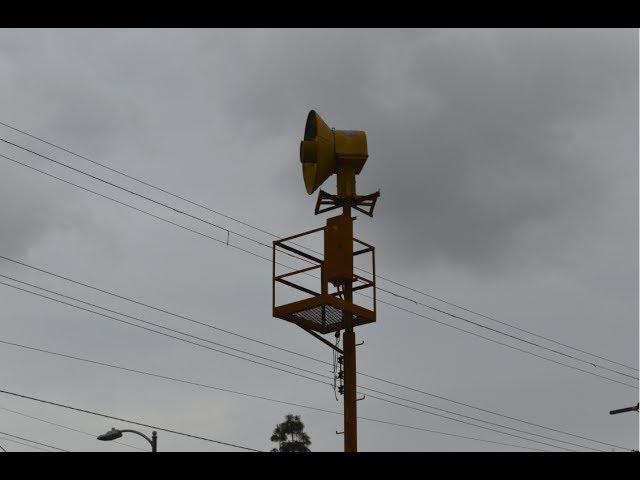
{"type": "Point", "coordinates": [322, 339]}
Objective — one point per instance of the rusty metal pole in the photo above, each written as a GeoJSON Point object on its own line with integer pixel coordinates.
{"type": "Point", "coordinates": [349, 349]}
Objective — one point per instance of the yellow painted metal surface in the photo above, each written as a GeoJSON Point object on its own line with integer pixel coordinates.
{"type": "Point", "coordinates": [338, 250]}
{"type": "Point", "coordinates": [325, 151]}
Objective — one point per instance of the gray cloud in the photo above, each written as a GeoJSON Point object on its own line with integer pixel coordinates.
{"type": "Point", "coordinates": [507, 162]}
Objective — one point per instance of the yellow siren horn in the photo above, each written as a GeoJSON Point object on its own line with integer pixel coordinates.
{"type": "Point", "coordinates": [325, 151]}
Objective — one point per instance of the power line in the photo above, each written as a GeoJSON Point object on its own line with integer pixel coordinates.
{"type": "Point", "coordinates": [148, 185]}
{"type": "Point", "coordinates": [491, 411]}
{"type": "Point", "coordinates": [181, 197]}
{"type": "Point", "coordinates": [129, 206]}
{"type": "Point", "coordinates": [205, 221]}
{"type": "Point", "coordinates": [382, 302]}
{"type": "Point", "coordinates": [198, 384]}
{"type": "Point", "coordinates": [160, 333]}
{"type": "Point", "coordinates": [469, 417]}
{"type": "Point", "coordinates": [60, 425]}
{"type": "Point", "coordinates": [299, 354]}
{"type": "Point", "coordinates": [157, 375]}
{"type": "Point", "coordinates": [290, 267]}
{"type": "Point", "coordinates": [149, 199]}
{"type": "Point", "coordinates": [33, 441]}
{"type": "Point", "coordinates": [466, 416]}
{"type": "Point", "coordinates": [104, 415]}
{"type": "Point", "coordinates": [157, 202]}
{"type": "Point", "coordinates": [296, 353]}
{"type": "Point", "coordinates": [180, 380]}
{"type": "Point", "coordinates": [162, 326]}
{"type": "Point", "coordinates": [488, 317]}
{"type": "Point", "coordinates": [22, 443]}
{"type": "Point", "coordinates": [475, 425]}
{"type": "Point", "coordinates": [204, 346]}
{"type": "Point", "coordinates": [507, 345]}
{"type": "Point", "coordinates": [313, 379]}
{"type": "Point", "coordinates": [163, 310]}
{"type": "Point", "coordinates": [508, 335]}
{"type": "Point", "coordinates": [173, 330]}
{"type": "Point", "coordinates": [131, 177]}
{"type": "Point", "coordinates": [269, 260]}
{"type": "Point", "coordinates": [479, 324]}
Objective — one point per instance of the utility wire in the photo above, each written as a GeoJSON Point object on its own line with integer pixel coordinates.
{"type": "Point", "coordinates": [302, 355]}
{"type": "Point", "coordinates": [162, 310]}
{"type": "Point", "coordinates": [7, 439]}
{"type": "Point", "coordinates": [131, 177]}
{"type": "Point", "coordinates": [491, 412]}
{"type": "Point", "coordinates": [149, 199]}
{"type": "Point", "coordinates": [160, 333]}
{"type": "Point", "coordinates": [266, 259]}
{"type": "Point", "coordinates": [488, 317]}
{"type": "Point", "coordinates": [212, 387]}
{"type": "Point", "coordinates": [473, 424]}
{"type": "Point", "coordinates": [60, 425]}
{"type": "Point", "coordinates": [508, 335]}
{"type": "Point", "coordinates": [204, 346]}
{"type": "Point", "coordinates": [200, 219]}
{"type": "Point", "coordinates": [33, 441]}
{"type": "Point", "coordinates": [466, 416]}
{"type": "Point", "coordinates": [181, 197]}
{"type": "Point", "coordinates": [309, 378]}
{"type": "Point", "coordinates": [148, 185]}
{"type": "Point", "coordinates": [162, 326]}
{"type": "Point", "coordinates": [104, 415]}
{"type": "Point", "coordinates": [507, 345]}
{"type": "Point", "coordinates": [124, 204]}
{"type": "Point", "coordinates": [488, 338]}
{"type": "Point", "coordinates": [270, 260]}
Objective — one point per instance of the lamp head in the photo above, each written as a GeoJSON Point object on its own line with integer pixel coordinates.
{"type": "Point", "coordinates": [112, 434]}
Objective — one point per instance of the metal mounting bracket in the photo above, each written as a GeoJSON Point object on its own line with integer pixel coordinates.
{"type": "Point", "coordinates": [323, 340]}
{"type": "Point", "coordinates": [359, 202]}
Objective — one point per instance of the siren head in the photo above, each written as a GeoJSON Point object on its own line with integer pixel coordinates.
{"type": "Point", "coordinates": [325, 151]}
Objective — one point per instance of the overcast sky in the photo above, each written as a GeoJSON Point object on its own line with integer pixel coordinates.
{"type": "Point", "coordinates": [508, 167]}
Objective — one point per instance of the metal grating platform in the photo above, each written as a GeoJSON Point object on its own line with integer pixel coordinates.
{"type": "Point", "coordinates": [323, 313]}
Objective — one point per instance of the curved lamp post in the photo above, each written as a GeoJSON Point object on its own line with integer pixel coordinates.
{"type": "Point", "coordinates": [114, 434]}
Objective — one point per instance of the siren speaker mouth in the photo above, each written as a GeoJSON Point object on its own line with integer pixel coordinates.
{"type": "Point", "coordinates": [310, 130]}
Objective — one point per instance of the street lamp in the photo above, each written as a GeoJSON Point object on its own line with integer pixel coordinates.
{"type": "Point", "coordinates": [114, 434]}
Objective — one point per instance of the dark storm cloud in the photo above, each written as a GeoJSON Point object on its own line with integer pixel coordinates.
{"type": "Point", "coordinates": [492, 158]}
{"type": "Point", "coordinates": [470, 132]}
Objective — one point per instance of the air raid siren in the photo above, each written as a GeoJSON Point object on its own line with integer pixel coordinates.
{"type": "Point", "coordinates": [325, 151]}
{"type": "Point", "coordinates": [331, 308]}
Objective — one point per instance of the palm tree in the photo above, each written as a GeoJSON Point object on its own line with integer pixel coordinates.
{"type": "Point", "coordinates": [290, 436]}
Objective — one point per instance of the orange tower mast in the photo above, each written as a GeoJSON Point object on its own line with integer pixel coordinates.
{"type": "Point", "coordinates": [323, 152]}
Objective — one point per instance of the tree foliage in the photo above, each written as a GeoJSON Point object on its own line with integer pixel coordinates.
{"type": "Point", "coordinates": [290, 436]}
